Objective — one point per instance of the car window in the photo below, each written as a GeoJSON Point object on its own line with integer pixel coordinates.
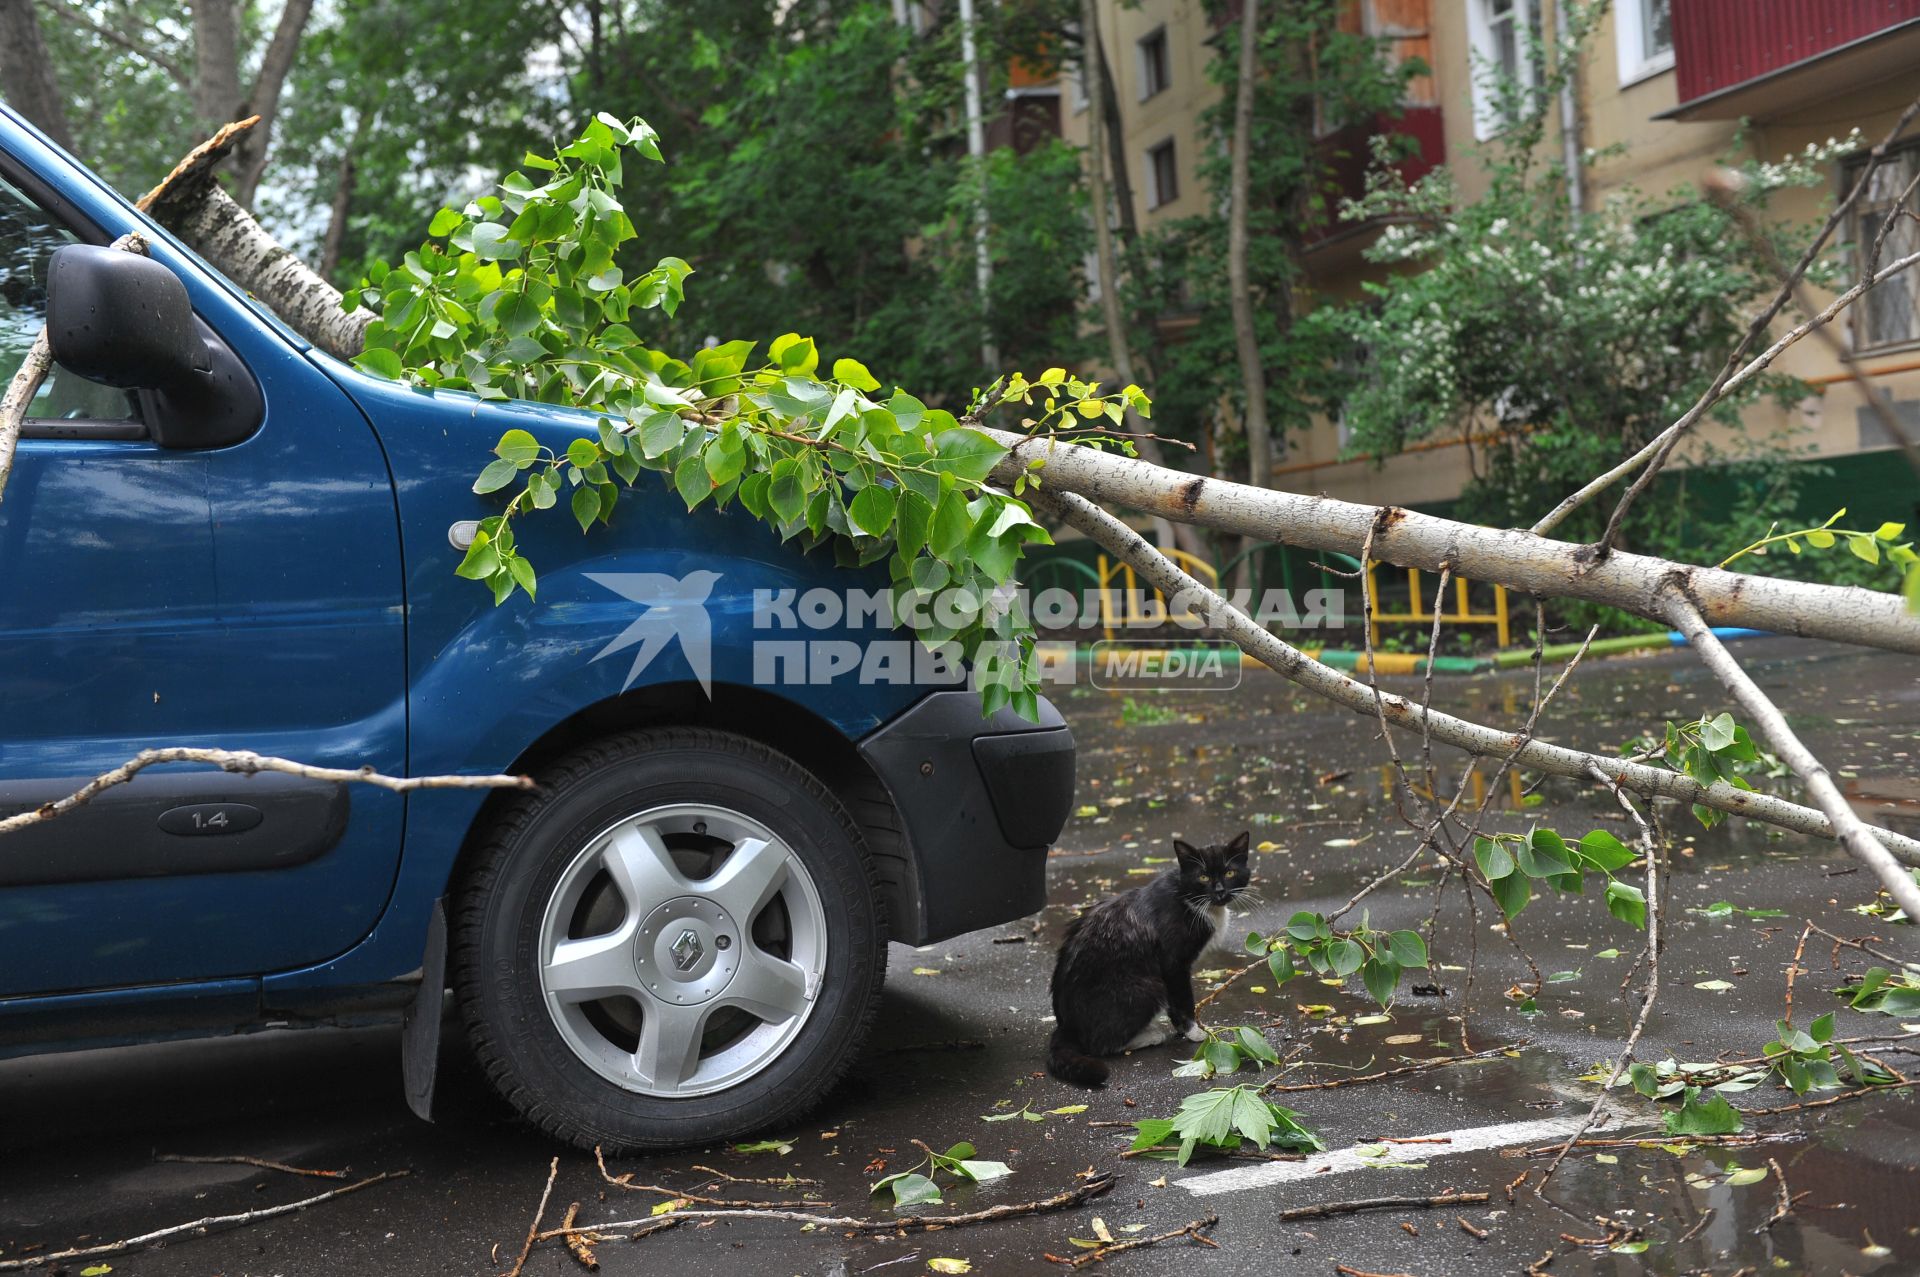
{"type": "Point", "coordinates": [28, 238]}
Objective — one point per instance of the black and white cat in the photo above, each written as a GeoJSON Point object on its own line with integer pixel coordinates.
{"type": "Point", "coordinates": [1128, 959]}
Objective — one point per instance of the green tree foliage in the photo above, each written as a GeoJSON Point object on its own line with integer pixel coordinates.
{"type": "Point", "coordinates": [1563, 340]}
{"type": "Point", "coordinates": [521, 294]}
{"type": "Point", "coordinates": [1314, 77]}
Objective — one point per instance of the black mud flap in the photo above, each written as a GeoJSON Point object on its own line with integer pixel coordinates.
{"type": "Point", "coordinates": [420, 1029]}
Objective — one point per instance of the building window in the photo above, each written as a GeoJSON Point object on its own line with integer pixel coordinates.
{"type": "Point", "coordinates": [1643, 30]}
{"type": "Point", "coordinates": [1889, 315]}
{"type": "Point", "coordinates": [1505, 37]}
{"type": "Point", "coordinates": [1163, 176]}
{"type": "Point", "coordinates": [1153, 63]}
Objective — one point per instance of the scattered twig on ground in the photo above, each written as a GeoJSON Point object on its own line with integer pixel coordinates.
{"type": "Point", "coordinates": [196, 1226]}
{"type": "Point", "coordinates": [1860, 944]}
{"type": "Point", "coordinates": [1079, 1195]}
{"type": "Point", "coordinates": [1227, 981]}
{"type": "Point", "coordinates": [1516, 1182]}
{"type": "Point", "coordinates": [1359, 1204]}
{"type": "Point", "coordinates": [1694, 1230]}
{"type": "Point", "coordinates": [243, 1160]}
{"type": "Point", "coordinates": [1656, 1141]}
{"type": "Point", "coordinates": [533, 1229]}
{"type": "Point", "coordinates": [1196, 1231]}
{"type": "Point", "coordinates": [1784, 1207]}
{"type": "Point", "coordinates": [1421, 1067]}
{"type": "Point", "coordinates": [626, 1181]}
{"type": "Point", "coordinates": [577, 1242]}
{"type": "Point", "coordinates": [1472, 1230]}
{"type": "Point", "coordinates": [1793, 969]}
{"type": "Point", "coordinates": [1345, 1271]}
{"type": "Point", "coordinates": [1860, 1094]}
{"type": "Point", "coordinates": [781, 1181]}
{"type": "Point", "coordinates": [1649, 849]}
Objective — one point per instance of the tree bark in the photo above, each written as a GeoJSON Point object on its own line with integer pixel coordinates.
{"type": "Point", "coordinates": [216, 62]}
{"type": "Point", "coordinates": [240, 248]}
{"type": "Point", "coordinates": [1518, 560]}
{"type": "Point", "coordinates": [1476, 738]}
{"type": "Point", "coordinates": [264, 99]}
{"type": "Point", "coordinates": [1253, 374]}
{"type": "Point", "coordinates": [343, 191]}
{"type": "Point", "coordinates": [26, 72]}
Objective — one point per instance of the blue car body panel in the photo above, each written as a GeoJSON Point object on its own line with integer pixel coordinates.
{"type": "Point", "coordinates": [295, 594]}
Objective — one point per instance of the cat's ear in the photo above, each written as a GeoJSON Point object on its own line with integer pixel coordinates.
{"type": "Point", "coordinates": [1237, 849]}
{"type": "Point", "coordinates": [1190, 857]}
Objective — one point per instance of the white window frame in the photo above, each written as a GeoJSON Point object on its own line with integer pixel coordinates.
{"type": "Point", "coordinates": [1144, 63]}
{"type": "Point", "coordinates": [1630, 39]}
{"type": "Point", "coordinates": [1487, 120]}
{"type": "Point", "coordinates": [1158, 198]}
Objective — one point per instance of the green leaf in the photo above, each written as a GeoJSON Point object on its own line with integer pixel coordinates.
{"type": "Point", "coordinates": [444, 223]}
{"type": "Point", "coordinates": [1345, 956]}
{"type": "Point", "coordinates": [910, 1189]}
{"type": "Point", "coordinates": [916, 523]}
{"type": "Point", "coordinates": [586, 505]}
{"type": "Point", "coordinates": [794, 354]}
{"type": "Point", "coordinates": [855, 374]}
{"type": "Point", "coordinates": [1717, 733]}
{"type": "Point", "coordinates": [1697, 1116]}
{"type": "Point", "coordinates": [380, 362]}
{"type": "Point", "coordinates": [1408, 949]}
{"type": "Point", "coordinates": [1627, 903]}
{"type": "Point", "coordinates": [1512, 893]}
{"type": "Point", "coordinates": [1255, 1044]}
{"type": "Point", "coordinates": [491, 243]}
{"type": "Point", "coordinates": [1864, 547]}
{"type": "Point", "coordinates": [660, 434]}
{"type": "Point", "coordinates": [952, 525]}
{"type": "Point", "coordinates": [1606, 852]}
{"type": "Point", "coordinates": [1889, 531]}
{"type": "Point", "coordinates": [1382, 977]}
{"type": "Point", "coordinates": [690, 480]}
{"type": "Point", "coordinates": [966, 454]}
{"type": "Point", "coordinates": [786, 495]}
{"type": "Point", "coordinates": [1542, 854]}
{"type": "Point", "coordinates": [1819, 538]}
{"type": "Point", "coordinates": [497, 475]}
{"type": "Point", "coordinates": [871, 510]}
{"type": "Point", "coordinates": [1494, 860]}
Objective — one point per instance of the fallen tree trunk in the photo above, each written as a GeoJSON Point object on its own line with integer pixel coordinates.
{"type": "Point", "coordinates": [1518, 560]}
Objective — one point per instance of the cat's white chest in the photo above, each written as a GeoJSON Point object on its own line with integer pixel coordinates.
{"type": "Point", "coordinates": [1220, 917]}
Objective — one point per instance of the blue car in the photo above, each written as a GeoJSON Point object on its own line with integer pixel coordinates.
{"type": "Point", "coordinates": [215, 535]}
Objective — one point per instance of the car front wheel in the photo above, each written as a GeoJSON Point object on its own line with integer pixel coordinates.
{"type": "Point", "coordinates": [677, 940]}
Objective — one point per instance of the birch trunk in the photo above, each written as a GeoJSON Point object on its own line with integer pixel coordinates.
{"type": "Point", "coordinates": [1518, 560]}
{"type": "Point", "coordinates": [1253, 375]}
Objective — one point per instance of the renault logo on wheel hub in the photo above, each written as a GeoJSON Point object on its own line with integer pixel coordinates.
{"type": "Point", "coordinates": [687, 950]}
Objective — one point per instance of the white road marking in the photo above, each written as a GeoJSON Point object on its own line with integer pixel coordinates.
{"type": "Point", "coordinates": [1341, 1160]}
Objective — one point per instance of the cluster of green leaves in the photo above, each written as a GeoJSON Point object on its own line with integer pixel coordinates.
{"type": "Point", "coordinates": [1885, 991]}
{"type": "Point", "coordinates": [1714, 748]}
{"type": "Point", "coordinates": [1224, 1119]}
{"type": "Point", "coordinates": [1381, 957]}
{"type": "Point", "coordinates": [1883, 907]}
{"type": "Point", "coordinates": [1883, 544]}
{"type": "Point", "coordinates": [1512, 864]}
{"type": "Point", "coordinates": [1225, 1050]}
{"type": "Point", "coordinates": [1702, 1114]}
{"type": "Point", "coordinates": [522, 294]}
{"type": "Point", "coordinates": [921, 1184]}
{"type": "Point", "coordinates": [1810, 1060]}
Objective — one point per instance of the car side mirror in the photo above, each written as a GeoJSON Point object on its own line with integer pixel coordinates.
{"type": "Point", "coordinates": [122, 319]}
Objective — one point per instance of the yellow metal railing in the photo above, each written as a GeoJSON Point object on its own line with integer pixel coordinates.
{"type": "Point", "coordinates": [1418, 613]}
{"type": "Point", "coordinates": [1132, 610]}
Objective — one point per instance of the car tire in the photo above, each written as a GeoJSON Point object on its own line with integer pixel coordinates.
{"type": "Point", "coordinates": [609, 990]}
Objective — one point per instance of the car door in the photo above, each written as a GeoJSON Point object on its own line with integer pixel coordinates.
{"type": "Point", "coordinates": [246, 596]}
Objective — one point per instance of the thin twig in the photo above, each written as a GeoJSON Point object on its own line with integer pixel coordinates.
{"type": "Point", "coordinates": [1420, 1067]}
{"type": "Point", "coordinates": [1192, 1232]}
{"type": "Point", "coordinates": [1471, 1230]}
{"type": "Point", "coordinates": [1784, 1207]}
{"type": "Point", "coordinates": [1860, 1094]}
{"type": "Point", "coordinates": [533, 1229]}
{"type": "Point", "coordinates": [1652, 854]}
{"type": "Point", "coordinates": [626, 1181]}
{"type": "Point", "coordinates": [577, 1243]}
{"type": "Point", "coordinates": [1793, 969]}
{"type": "Point", "coordinates": [241, 1160]}
{"type": "Point", "coordinates": [784, 1181]}
{"type": "Point", "coordinates": [244, 762]}
{"type": "Point", "coordinates": [198, 1225]}
{"type": "Point", "coordinates": [1359, 1204]}
{"type": "Point", "coordinates": [1079, 1195]}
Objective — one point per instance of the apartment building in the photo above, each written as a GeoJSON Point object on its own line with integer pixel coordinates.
{"type": "Point", "coordinates": [1667, 81]}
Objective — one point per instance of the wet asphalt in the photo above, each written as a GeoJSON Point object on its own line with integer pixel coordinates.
{"type": "Point", "coordinates": [961, 1033]}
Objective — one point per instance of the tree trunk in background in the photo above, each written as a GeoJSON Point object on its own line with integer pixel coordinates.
{"type": "Point", "coordinates": [26, 72]}
{"type": "Point", "coordinates": [264, 100]}
{"type": "Point", "coordinates": [1118, 353]}
{"type": "Point", "coordinates": [216, 62]}
{"type": "Point", "coordinates": [342, 206]}
{"type": "Point", "coordinates": [1253, 374]}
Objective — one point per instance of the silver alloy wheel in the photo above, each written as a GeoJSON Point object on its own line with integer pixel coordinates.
{"type": "Point", "coordinates": [682, 950]}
